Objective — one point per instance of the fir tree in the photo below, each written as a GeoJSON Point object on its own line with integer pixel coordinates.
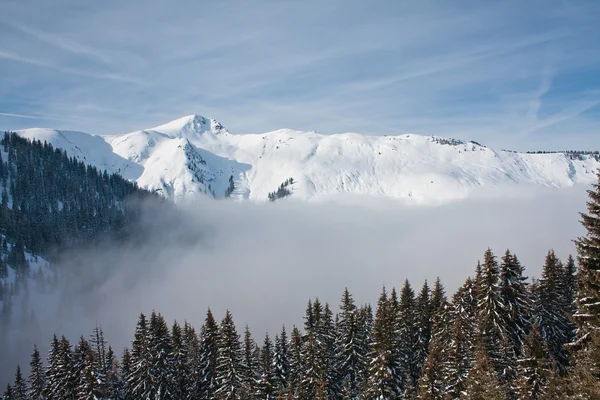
{"type": "Point", "coordinates": [408, 337]}
{"type": "Point", "coordinates": [434, 380]}
{"type": "Point", "coordinates": [534, 367]}
{"type": "Point", "coordinates": [229, 372]}
{"type": "Point", "coordinates": [160, 361]}
{"type": "Point", "coordinates": [490, 310]}
{"type": "Point", "coordinates": [8, 393]}
{"type": "Point", "coordinates": [588, 257]}
{"type": "Point", "coordinates": [36, 376]}
{"type": "Point", "coordinates": [209, 354]}
{"type": "Point", "coordinates": [193, 364]}
{"type": "Point", "coordinates": [384, 380]}
{"type": "Point", "coordinates": [482, 382]}
{"type": "Point", "coordinates": [296, 362]}
{"type": "Point", "coordinates": [350, 350]}
{"type": "Point", "coordinates": [139, 381]}
{"type": "Point", "coordinates": [553, 323]}
{"type": "Point", "coordinates": [20, 387]}
{"type": "Point", "coordinates": [267, 381]}
{"type": "Point", "coordinates": [281, 363]}
{"type": "Point", "coordinates": [250, 364]}
{"type": "Point", "coordinates": [179, 372]}
{"type": "Point", "coordinates": [126, 369]}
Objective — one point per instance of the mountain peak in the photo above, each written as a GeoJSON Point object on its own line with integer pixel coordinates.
{"type": "Point", "coordinates": [190, 125]}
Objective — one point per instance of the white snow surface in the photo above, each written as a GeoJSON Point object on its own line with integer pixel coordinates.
{"type": "Point", "coordinates": [193, 155]}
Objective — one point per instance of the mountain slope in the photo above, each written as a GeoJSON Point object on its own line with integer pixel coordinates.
{"type": "Point", "coordinates": [194, 155]}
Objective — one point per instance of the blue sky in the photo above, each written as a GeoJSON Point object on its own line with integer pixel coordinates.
{"type": "Point", "coordinates": [510, 74]}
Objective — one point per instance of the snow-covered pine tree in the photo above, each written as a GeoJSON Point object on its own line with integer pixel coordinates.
{"type": "Point", "coordinates": [463, 327]}
{"type": "Point", "coordinates": [588, 257]}
{"type": "Point", "coordinates": [249, 364]}
{"type": "Point", "coordinates": [433, 382]}
{"type": "Point", "coordinates": [490, 310]}
{"type": "Point", "coordinates": [582, 380]}
{"type": "Point", "coordinates": [267, 381]}
{"type": "Point", "coordinates": [179, 373]}
{"type": "Point", "coordinates": [160, 358]}
{"type": "Point", "coordinates": [325, 335]}
{"type": "Point", "coordinates": [383, 381]}
{"type": "Point", "coordinates": [8, 393]}
{"type": "Point", "coordinates": [517, 317]}
{"type": "Point", "coordinates": [350, 353]}
{"type": "Point", "coordinates": [36, 376]}
{"type": "Point", "coordinates": [296, 363]}
{"type": "Point", "coordinates": [534, 367]}
{"type": "Point", "coordinates": [482, 381]}
{"type": "Point", "coordinates": [551, 318]}
{"type": "Point", "coordinates": [19, 387]}
{"type": "Point", "coordinates": [438, 295]}
{"type": "Point", "coordinates": [517, 303]}
{"type": "Point", "coordinates": [98, 345]}
{"type": "Point", "coordinates": [281, 363]}
{"type": "Point", "coordinates": [569, 284]}
{"type": "Point", "coordinates": [209, 354]}
{"type": "Point", "coordinates": [408, 337]}
{"type": "Point", "coordinates": [191, 343]}
{"type": "Point", "coordinates": [113, 381]}
{"type": "Point", "coordinates": [83, 364]}
{"type": "Point", "coordinates": [229, 372]}
{"type": "Point", "coordinates": [424, 311]}
{"type": "Point", "coordinates": [125, 391]}
{"type": "Point", "coordinates": [139, 380]}
{"type": "Point", "coordinates": [363, 336]}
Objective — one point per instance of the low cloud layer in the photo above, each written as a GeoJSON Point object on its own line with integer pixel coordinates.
{"type": "Point", "coordinates": [263, 262]}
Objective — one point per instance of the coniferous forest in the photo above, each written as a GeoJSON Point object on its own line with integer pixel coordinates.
{"type": "Point", "coordinates": [50, 200]}
{"type": "Point", "coordinates": [501, 335]}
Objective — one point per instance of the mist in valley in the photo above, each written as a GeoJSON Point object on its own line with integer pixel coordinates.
{"type": "Point", "coordinates": [264, 261]}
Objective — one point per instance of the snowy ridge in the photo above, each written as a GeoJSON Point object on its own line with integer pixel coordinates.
{"type": "Point", "coordinates": [193, 155]}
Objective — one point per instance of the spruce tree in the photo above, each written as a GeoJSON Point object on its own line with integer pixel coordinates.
{"type": "Point", "coordinates": [267, 380]}
{"type": "Point", "coordinates": [179, 372]}
{"type": "Point", "coordinates": [424, 311]}
{"type": "Point", "coordinates": [464, 331]}
{"type": "Point", "coordinates": [350, 351]}
{"type": "Point", "coordinates": [551, 318]}
{"type": "Point", "coordinates": [8, 393]}
{"type": "Point", "coordinates": [490, 310]}
{"type": "Point", "coordinates": [534, 367]}
{"type": "Point", "coordinates": [229, 372]}
{"type": "Point", "coordinates": [249, 364]}
{"type": "Point", "coordinates": [384, 380]}
{"type": "Point", "coordinates": [20, 387]}
{"type": "Point", "coordinates": [281, 363]}
{"type": "Point", "coordinates": [36, 376]}
{"type": "Point", "coordinates": [139, 380]}
{"type": "Point", "coordinates": [160, 358]}
{"type": "Point", "coordinates": [126, 390]}
{"type": "Point", "coordinates": [209, 354]}
{"type": "Point", "coordinates": [87, 382]}
{"type": "Point", "coordinates": [482, 382]}
{"type": "Point", "coordinates": [588, 257]}
{"type": "Point", "coordinates": [193, 362]}
{"type": "Point", "coordinates": [434, 380]}
{"type": "Point", "coordinates": [407, 337]}
{"type": "Point", "coordinates": [296, 362]}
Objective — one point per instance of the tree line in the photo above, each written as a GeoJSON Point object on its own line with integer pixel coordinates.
{"type": "Point", "coordinates": [499, 336]}
{"type": "Point", "coordinates": [50, 200]}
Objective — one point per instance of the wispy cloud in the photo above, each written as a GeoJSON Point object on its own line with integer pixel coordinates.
{"type": "Point", "coordinates": [495, 72]}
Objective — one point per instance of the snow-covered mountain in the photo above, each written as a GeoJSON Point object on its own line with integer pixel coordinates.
{"type": "Point", "coordinates": [194, 155]}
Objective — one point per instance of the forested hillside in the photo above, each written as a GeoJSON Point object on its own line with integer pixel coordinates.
{"type": "Point", "coordinates": [50, 200]}
{"type": "Point", "coordinates": [49, 203]}
{"type": "Point", "coordinates": [499, 336]}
